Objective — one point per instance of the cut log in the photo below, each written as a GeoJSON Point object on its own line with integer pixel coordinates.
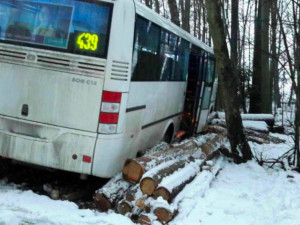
{"type": "Point", "coordinates": [145, 219]}
{"type": "Point", "coordinates": [163, 215]}
{"type": "Point", "coordinates": [170, 186]}
{"type": "Point", "coordinates": [107, 196]}
{"type": "Point", "coordinates": [266, 137]}
{"type": "Point", "coordinates": [259, 126]}
{"type": "Point", "coordinates": [258, 140]}
{"type": "Point", "coordinates": [214, 143]}
{"type": "Point", "coordinates": [268, 118]}
{"type": "Point", "coordinates": [125, 207]}
{"type": "Point", "coordinates": [134, 169]}
{"type": "Point", "coordinates": [258, 137]}
{"type": "Point", "coordinates": [153, 177]}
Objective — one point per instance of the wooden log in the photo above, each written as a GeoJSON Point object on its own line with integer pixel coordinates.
{"type": "Point", "coordinates": [153, 177]}
{"type": "Point", "coordinates": [258, 140]}
{"type": "Point", "coordinates": [169, 188]}
{"type": "Point", "coordinates": [134, 169]}
{"type": "Point", "coordinates": [258, 137]}
{"type": "Point", "coordinates": [125, 207]}
{"type": "Point", "coordinates": [262, 128]}
{"type": "Point", "coordinates": [172, 185]}
{"type": "Point", "coordinates": [266, 137]}
{"type": "Point", "coordinates": [214, 143]}
{"type": "Point", "coordinates": [107, 196]}
{"type": "Point", "coordinates": [163, 215]}
{"type": "Point", "coordinates": [268, 118]}
{"type": "Point", "coordinates": [145, 219]}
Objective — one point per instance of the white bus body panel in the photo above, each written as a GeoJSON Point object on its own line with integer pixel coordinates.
{"type": "Point", "coordinates": [46, 145]}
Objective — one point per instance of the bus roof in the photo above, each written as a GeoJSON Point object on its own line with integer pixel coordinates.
{"type": "Point", "coordinates": [151, 15]}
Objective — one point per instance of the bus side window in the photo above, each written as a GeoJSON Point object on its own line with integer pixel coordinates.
{"type": "Point", "coordinates": [146, 60]}
{"type": "Point", "coordinates": [182, 62]}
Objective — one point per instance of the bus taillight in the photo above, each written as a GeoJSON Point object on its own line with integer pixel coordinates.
{"type": "Point", "coordinates": [109, 118]}
{"type": "Point", "coordinates": [114, 97]}
{"type": "Point", "coordinates": [109, 114]}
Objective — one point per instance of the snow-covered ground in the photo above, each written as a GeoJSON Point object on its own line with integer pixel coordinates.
{"type": "Point", "coordinates": [245, 194]}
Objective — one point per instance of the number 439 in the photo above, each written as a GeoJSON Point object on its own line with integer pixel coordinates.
{"type": "Point", "coordinates": [88, 41]}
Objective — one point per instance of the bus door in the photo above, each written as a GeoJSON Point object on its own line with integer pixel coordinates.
{"type": "Point", "coordinates": [194, 87]}
{"type": "Point", "coordinates": [203, 111]}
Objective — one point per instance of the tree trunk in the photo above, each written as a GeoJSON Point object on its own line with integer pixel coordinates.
{"type": "Point", "coordinates": [174, 12]}
{"type": "Point", "coordinates": [185, 14]}
{"type": "Point", "coordinates": [234, 31]}
{"type": "Point", "coordinates": [228, 81]}
{"type": "Point", "coordinates": [274, 61]}
{"type": "Point", "coordinates": [261, 99]}
{"type": "Point", "coordinates": [157, 6]}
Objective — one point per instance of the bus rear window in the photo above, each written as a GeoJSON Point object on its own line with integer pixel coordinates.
{"type": "Point", "coordinates": [79, 27]}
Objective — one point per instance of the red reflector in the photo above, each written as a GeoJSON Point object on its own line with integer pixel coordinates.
{"type": "Point", "coordinates": [114, 97]}
{"type": "Point", "coordinates": [87, 159]}
{"type": "Point", "coordinates": [109, 118]}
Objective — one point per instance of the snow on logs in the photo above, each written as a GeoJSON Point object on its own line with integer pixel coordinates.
{"type": "Point", "coordinates": [267, 118]}
{"type": "Point", "coordinates": [134, 169]}
{"type": "Point", "coordinates": [107, 197]}
{"type": "Point", "coordinates": [158, 177]}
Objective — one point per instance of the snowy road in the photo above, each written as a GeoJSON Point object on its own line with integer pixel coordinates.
{"type": "Point", "coordinates": [246, 194]}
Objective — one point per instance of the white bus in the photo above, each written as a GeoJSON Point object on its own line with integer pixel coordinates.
{"type": "Point", "coordinates": [86, 84]}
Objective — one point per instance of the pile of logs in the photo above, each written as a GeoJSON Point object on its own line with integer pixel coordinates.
{"type": "Point", "coordinates": [149, 187]}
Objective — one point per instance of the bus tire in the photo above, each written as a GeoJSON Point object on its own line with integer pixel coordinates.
{"type": "Point", "coordinates": [169, 134]}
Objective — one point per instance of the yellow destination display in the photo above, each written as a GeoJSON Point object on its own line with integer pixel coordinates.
{"type": "Point", "coordinates": [87, 41]}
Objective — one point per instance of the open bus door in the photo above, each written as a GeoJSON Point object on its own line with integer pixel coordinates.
{"type": "Point", "coordinates": [199, 90]}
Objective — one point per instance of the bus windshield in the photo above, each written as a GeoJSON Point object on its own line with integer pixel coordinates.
{"type": "Point", "coordinates": [79, 27]}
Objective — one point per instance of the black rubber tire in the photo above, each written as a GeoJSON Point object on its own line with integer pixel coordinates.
{"type": "Point", "coordinates": [168, 136]}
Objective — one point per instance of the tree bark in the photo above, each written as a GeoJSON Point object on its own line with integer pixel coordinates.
{"type": "Point", "coordinates": [174, 12]}
{"type": "Point", "coordinates": [274, 61]}
{"type": "Point", "coordinates": [261, 98]}
{"type": "Point", "coordinates": [157, 6]}
{"type": "Point", "coordinates": [185, 14]}
{"type": "Point", "coordinates": [228, 81]}
{"type": "Point", "coordinates": [234, 30]}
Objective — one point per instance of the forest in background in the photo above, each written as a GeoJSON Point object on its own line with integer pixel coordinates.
{"type": "Point", "coordinates": [262, 38]}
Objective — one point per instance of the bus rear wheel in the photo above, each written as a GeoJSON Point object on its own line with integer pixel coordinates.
{"type": "Point", "coordinates": [168, 135]}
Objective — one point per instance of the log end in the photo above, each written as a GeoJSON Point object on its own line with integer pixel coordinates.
{"type": "Point", "coordinates": [206, 149]}
{"type": "Point", "coordinates": [124, 208]}
{"type": "Point", "coordinates": [132, 171]}
{"type": "Point", "coordinates": [102, 203]}
{"type": "Point", "coordinates": [144, 220]}
{"type": "Point", "coordinates": [162, 192]}
{"type": "Point", "coordinates": [163, 215]}
{"type": "Point", "coordinates": [147, 186]}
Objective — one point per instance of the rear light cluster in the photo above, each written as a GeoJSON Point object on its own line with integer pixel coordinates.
{"type": "Point", "coordinates": [109, 115]}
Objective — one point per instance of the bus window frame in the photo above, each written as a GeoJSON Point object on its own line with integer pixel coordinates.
{"type": "Point", "coordinates": [161, 29]}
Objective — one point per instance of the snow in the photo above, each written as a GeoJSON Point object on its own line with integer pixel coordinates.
{"type": "Point", "coordinates": [245, 194]}
{"type": "Point", "coordinates": [256, 125]}
{"type": "Point", "coordinates": [25, 207]}
{"type": "Point", "coordinates": [156, 169]}
{"type": "Point", "coordinates": [173, 181]}
{"type": "Point", "coordinates": [258, 117]}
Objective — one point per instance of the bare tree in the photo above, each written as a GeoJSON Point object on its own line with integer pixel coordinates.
{"type": "Point", "coordinates": [261, 99]}
{"type": "Point", "coordinates": [174, 12]}
{"type": "Point", "coordinates": [185, 6]}
{"type": "Point", "coordinates": [228, 82]}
